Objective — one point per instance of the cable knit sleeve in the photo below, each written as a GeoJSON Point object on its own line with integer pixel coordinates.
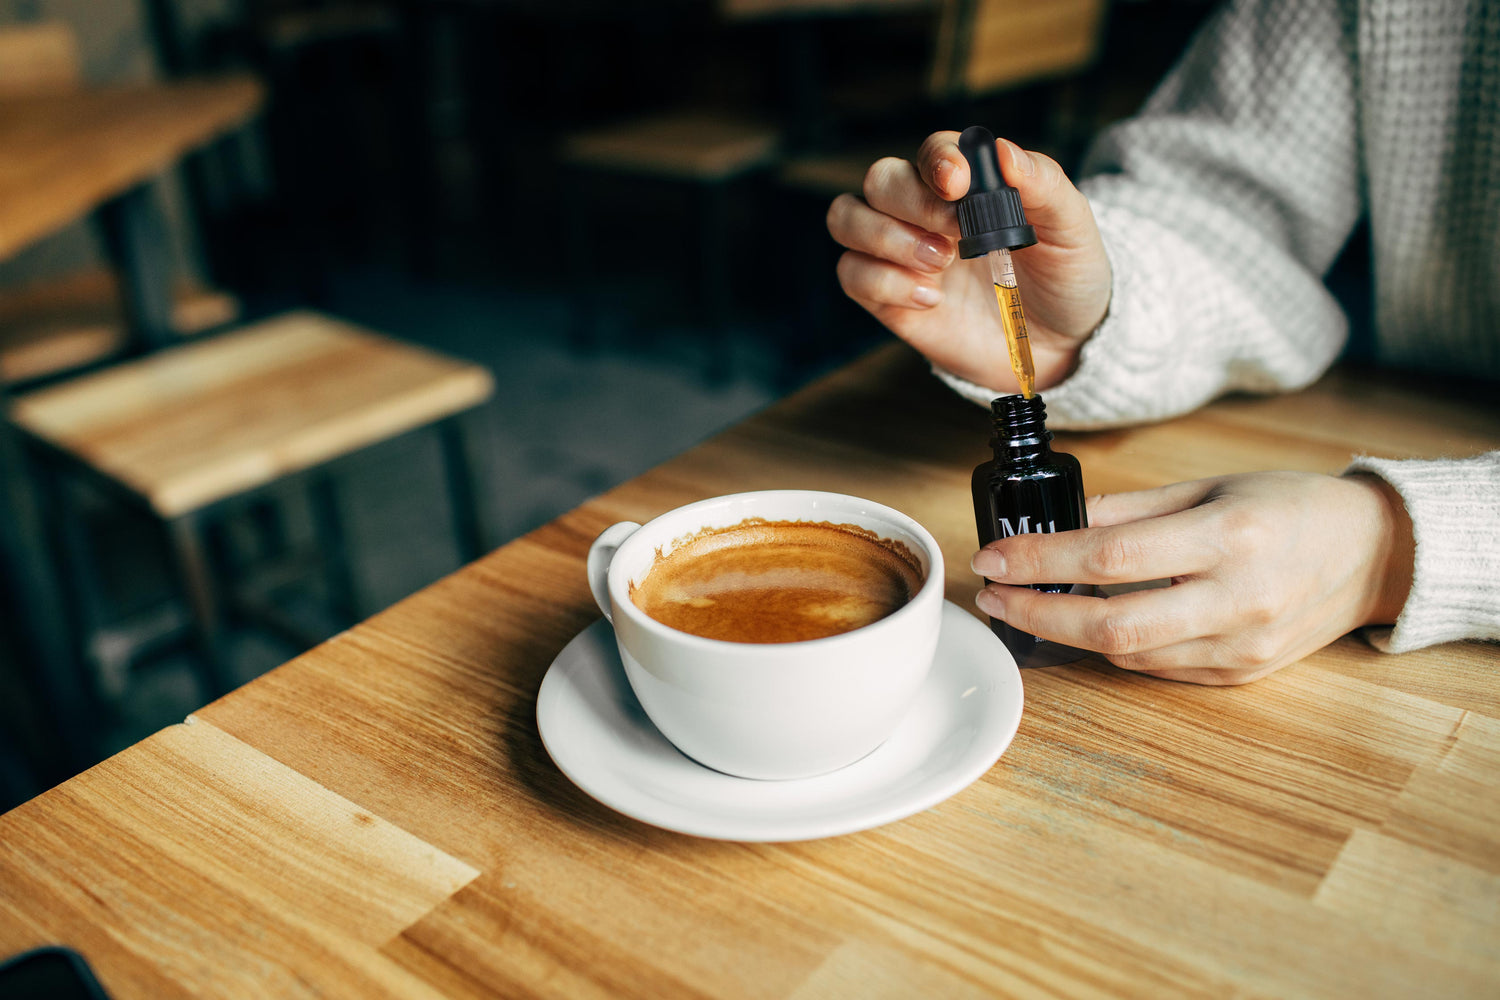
{"type": "Point", "coordinates": [1221, 206]}
{"type": "Point", "coordinates": [1224, 203]}
{"type": "Point", "coordinates": [1454, 507]}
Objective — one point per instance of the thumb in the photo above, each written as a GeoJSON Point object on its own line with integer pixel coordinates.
{"type": "Point", "coordinates": [1055, 208]}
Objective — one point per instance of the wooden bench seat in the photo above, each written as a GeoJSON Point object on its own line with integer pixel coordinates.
{"type": "Point", "coordinates": [55, 326]}
{"type": "Point", "coordinates": [190, 425]}
{"type": "Point", "coordinates": [688, 145]}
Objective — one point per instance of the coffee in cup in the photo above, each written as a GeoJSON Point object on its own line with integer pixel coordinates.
{"type": "Point", "coordinates": [755, 699]}
{"type": "Point", "coordinates": [778, 581]}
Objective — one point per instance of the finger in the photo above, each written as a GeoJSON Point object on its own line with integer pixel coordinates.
{"type": "Point", "coordinates": [1058, 210]}
{"type": "Point", "coordinates": [1055, 208]}
{"type": "Point", "coordinates": [1127, 631]}
{"type": "Point", "coordinates": [893, 186]}
{"type": "Point", "coordinates": [942, 167]}
{"type": "Point", "coordinates": [1120, 626]}
{"type": "Point", "coordinates": [854, 224]}
{"type": "Point", "coordinates": [1156, 548]}
{"type": "Point", "coordinates": [1212, 660]}
{"type": "Point", "coordinates": [1234, 651]}
{"type": "Point", "coordinates": [876, 283]}
{"type": "Point", "coordinates": [1120, 508]}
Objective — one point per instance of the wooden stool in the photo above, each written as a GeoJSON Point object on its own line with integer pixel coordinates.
{"type": "Point", "coordinates": [984, 46]}
{"type": "Point", "coordinates": [184, 431]}
{"type": "Point", "coordinates": [72, 321]}
{"type": "Point", "coordinates": [704, 149]}
{"type": "Point", "coordinates": [68, 323]}
{"type": "Point", "coordinates": [39, 58]}
{"type": "Point", "coordinates": [979, 48]}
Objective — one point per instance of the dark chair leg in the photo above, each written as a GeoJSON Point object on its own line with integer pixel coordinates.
{"type": "Point", "coordinates": [586, 318]}
{"type": "Point", "coordinates": [39, 611]}
{"type": "Point", "coordinates": [135, 233]}
{"type": "Point", "coordinates": [333, 549]}
{"type": "Point", "coordinates": [466, 454]}
{"type": "Point", "coordinates": [422, 27]}
{"type": "Point", "coordinates": [270, 528]}
{"type": "Point", "coordinates": [185, 535]}
{"type": "Point", "coordinates": [110, 666]}
{"type": "Point", "coordinates": [714, 219]}
{"type": "Point", "coordinates": [715, 299]}
{"type": "Point", "coordinates": [18, 779]}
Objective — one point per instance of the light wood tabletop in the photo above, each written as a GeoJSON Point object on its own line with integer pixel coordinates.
{"type": "Point", "coordinates": [379, 817]}
{"type": "Point", "coordinates": [62, 155]}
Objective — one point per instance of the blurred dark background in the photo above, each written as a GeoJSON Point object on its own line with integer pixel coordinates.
{"type": "Point", "coordinates": [615, 205]}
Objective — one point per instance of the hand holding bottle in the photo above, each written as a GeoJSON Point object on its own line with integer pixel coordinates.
{"type": "Point", "coordinates": [1265, 569]}
{"type": "Point", "coordinates": [901, 263]}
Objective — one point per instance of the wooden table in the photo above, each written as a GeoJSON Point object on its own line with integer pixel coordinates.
{"type": "Point", "coordinates": [63, 157]}
{"type": "Point", "coordinates": [378, 817]}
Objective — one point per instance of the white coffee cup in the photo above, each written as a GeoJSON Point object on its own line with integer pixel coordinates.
{"type": "Point", "coordinates": [770, 710]}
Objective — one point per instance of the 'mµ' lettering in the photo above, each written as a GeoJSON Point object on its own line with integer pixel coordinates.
{"type": "Point", "coordinates": [1007, 529]}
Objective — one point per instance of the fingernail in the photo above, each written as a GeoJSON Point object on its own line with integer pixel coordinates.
{"type": "Point", "coordinates": [933, 255]}
{"type": "Point", "coordinates": [990, 603]}
{"type": "Point", "coordinates": [988, 563]}
{"type": "Point", "coordinates": [926, 295]}
{"type": "Point", "coordinates": [941, 171]}
{"type": "Point", "coordinates": [1023, 159]}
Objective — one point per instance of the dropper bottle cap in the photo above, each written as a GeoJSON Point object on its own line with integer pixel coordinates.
{"type": "Point", "coordinates": [990, 216]}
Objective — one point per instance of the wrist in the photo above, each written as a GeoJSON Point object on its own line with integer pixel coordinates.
{"type": "Point", "coordinates": [1057, 357]}
{"type": "Point", "coordinates": [1395, 550]}
{"type": "Point", "coordinates": [1054, 366]}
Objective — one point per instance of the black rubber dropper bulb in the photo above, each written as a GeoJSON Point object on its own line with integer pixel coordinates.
{"type": "Point", "coordinates": [990, 216]}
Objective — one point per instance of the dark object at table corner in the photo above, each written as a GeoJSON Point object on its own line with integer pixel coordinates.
{"type": "Point", "coordinates": [52, 972]}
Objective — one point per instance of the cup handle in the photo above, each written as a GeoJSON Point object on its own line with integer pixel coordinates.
{"type": "Point", "coordinates": [601, 554]}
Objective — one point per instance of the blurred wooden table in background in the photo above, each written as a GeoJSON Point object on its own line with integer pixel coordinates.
{"type": "Point", "coordinates": [66, 154]}
{"type": "Point", "coordinates": [379, 818]}
{"type": "Point", "coordinates": [63, 155]}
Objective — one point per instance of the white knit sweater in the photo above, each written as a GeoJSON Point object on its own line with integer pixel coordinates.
{"type": "Point", "coordinates": [1225, 201]}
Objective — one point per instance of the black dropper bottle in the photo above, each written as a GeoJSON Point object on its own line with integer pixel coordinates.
{"type": "Point", "coordinates": [1028, 488]}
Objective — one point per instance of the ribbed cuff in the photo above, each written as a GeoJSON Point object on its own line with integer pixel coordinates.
{"type": "Point", "coordinates": [1454, 507]}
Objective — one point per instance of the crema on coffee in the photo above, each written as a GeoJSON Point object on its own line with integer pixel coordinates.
{"type": "Point", "coordinates": [778, 581]}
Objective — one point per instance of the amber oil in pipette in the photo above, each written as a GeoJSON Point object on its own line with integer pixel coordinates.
{"type": "Point", "coordinates": [1013, 320]}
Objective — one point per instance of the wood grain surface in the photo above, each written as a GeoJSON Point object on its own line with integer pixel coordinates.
{"type": "Point", "coordinates": [64, 154]}
{"type": "Point", "coordinates": [1012, 41]}
{"type": "Point", "coordinates": [192, 424]}
{"type": "Point", "coordinates": [39, 58]}
{"type": "Point", "coordinates": [50, 326]}
{"type": "Point", "coordinates": [378, 817]}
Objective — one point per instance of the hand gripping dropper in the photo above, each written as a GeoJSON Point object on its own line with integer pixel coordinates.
{"type": "Point", "coordinates": [992, 223]}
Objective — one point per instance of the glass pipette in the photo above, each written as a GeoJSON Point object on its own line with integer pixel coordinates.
{"type": "Point", "coordinates": [1013, 319]}
{"type": "Point", "coordinates": [992, 223]}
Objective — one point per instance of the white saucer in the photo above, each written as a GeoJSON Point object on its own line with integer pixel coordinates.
{"type": "Point", "coordinates": [963, 718]}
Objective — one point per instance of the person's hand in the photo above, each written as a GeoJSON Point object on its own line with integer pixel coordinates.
{"type": "Point", "coordinates": [902, 263]}
{"type": "Point", "coordinates": [1265, 568]}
